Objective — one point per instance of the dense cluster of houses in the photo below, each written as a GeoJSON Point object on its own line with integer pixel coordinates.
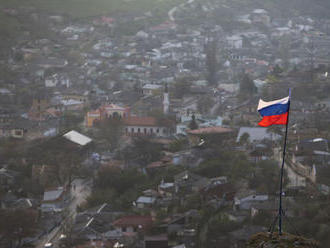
{"type": "Point", "coordinates": [91, 73]}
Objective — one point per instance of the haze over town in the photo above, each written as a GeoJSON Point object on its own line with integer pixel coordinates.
{"type": "Point", "coordinates": [134, 123]}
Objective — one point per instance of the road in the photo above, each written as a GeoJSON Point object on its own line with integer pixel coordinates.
{"type": "Point", "coordinates": [174, 9]}
{"type": "Point", "coordinates": [79, 194]}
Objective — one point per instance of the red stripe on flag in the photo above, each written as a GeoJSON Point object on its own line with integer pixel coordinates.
{"type": "Point", "coordinates": [274, 120]}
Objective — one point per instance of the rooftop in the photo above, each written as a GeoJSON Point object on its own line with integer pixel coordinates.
{"type": "Point", "coordinates": [77, 138]}
{"type": "Point", "coordinates": [133, 220]}
{"type": "Point", "coordinates": [211, 130]}
{"type": "Point", "coordinates": [152, 86]}
{"type": "Point", "coordinates": [53, 194]}
{"type": "Point", "coordinates": [140, 121]}
{"type": "Point", "coordinates": [146, 199]}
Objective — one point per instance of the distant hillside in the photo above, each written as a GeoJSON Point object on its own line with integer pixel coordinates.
{"type": "Point", "coordinates": [87, 8]}
{"type": "Point", "coordinates": [284, 8]}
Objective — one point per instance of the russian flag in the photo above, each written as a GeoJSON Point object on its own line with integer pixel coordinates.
{"type": "Point", "coordinates": [274, 112]}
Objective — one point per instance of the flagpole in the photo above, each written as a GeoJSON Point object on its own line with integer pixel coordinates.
{"type": "Point", "coordinates": [280, 211]}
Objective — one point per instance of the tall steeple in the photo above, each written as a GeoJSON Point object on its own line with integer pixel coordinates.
{"type": "Point", "coordinates": [166, 101]}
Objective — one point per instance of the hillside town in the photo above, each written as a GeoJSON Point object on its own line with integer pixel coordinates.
{"type": "Point", "coordinates": [148, 136]}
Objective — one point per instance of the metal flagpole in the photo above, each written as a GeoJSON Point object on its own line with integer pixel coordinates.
{"type": "Point", "coordinates": [280, 211]}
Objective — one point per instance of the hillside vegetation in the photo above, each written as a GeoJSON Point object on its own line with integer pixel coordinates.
{"type": "Point", "coordinates": [264, 240]}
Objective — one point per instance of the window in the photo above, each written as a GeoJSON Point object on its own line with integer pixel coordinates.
{"type": "Point", "coordinates": [151, 130]}
{"type": "Point", "coordinates": [18, 133]}
{"type": "Point", "coordinates": [145, 130]}
{"type": "Point", "coordinates": [138, 130]}
{"type": "Point", "coordinates": [157, 131]}
{"type": "Point", "coordinates": [132, 129]}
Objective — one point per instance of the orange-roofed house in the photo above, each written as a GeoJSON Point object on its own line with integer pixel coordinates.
{"type": "Point", "coordinates": [146, 126]}
{"type": "Point", "coordinates": [106, 111]}
{"type": "Point", "coordinates": [92, 117]}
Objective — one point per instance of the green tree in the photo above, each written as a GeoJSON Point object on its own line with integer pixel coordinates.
{"type": "Point", "coordinates": [142, 151]}
{"type": "Point", "coordinates": [193, 124]}
{"type": "Point", "coordinates": [16, 224]}
{"type": "Point", "coordinates": [70, 121]}
{"type": "Point", "coordinates": [277, 70]}
{"type": "Point", "coordinates": [211, 62]}
{"type": "Point", "coordinates": [204, 104]}
{"type": "Point", "coordinates": [110, 130]}
{"type": "Point", "coordinates": [284, 51]}
{"type": "Point", "coordinates": [244, 139]}
{"type": "Point", "coordinates": [121, 180]}
{"type": "Point", "coordinates": [246, 87]}
{"type": "Point", "coordinates": [182, 87]}
{"type": "Point", "coordinates": [266, 177]}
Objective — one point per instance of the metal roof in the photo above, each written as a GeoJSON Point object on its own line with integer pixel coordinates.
{"type": "Point", "coordinates": [77, 138]}
{"type": "Point", "coordinates": [146, 199]}
{"type": "Point", "coordinates": [52, 195]}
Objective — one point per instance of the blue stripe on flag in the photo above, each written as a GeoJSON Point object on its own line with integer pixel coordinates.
{"type": "Point", "coordinates": [276, 109]}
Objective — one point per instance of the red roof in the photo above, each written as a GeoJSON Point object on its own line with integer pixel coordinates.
{"type": "Point", "coordinates": [210, 130]}
{"type": "Point", "coordinates": [140, 121]}
{"type": "Point", "coordinates": [134, 220]}
{"type": "Point", "coordinates": [97, 244]}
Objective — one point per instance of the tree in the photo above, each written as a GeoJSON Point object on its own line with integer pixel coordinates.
{"type": "Point", "coordinates": [193, 124]}
{"type": "Point", "coordinates": [277, 70]}
{"type": "Point", "coordinates": [142, 151]}
{"type": "Point", "coordinates": [266, 177]}
{"type": "Point", "coordinates": [211, 62]}
{"type": "Point", "coordinates": [121, 190]}
{"type": "Point", "coordinates": [63, 155]}
{"type": "Point", "coordinates": [70, 121]}
{"type": "Point", "coordinates": [246, 87]}
{"type": "Point", "coordinates": [244, 138]}
{"type": "Point", "coordinates": [16, 224]}
{"type": "Point", "coordinates": [182, 87]}
{"type": "Point", "coordinates": [204, 104]}
{"type": "Point", "coordinates": [111, 130]}
{"type": "Point", "coordinates": [284, 51]}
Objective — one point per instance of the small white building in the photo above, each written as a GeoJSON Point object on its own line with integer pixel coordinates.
{"type": "Point", "coordinates": [145, 201]}
{"type": "Point", "coordinates": [151, 89]}
{"type": "Point", "coordinates": [234, 41]}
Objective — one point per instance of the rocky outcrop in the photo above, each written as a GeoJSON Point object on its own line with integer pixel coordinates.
{"type": "Point", "coordinates": [286, 240]}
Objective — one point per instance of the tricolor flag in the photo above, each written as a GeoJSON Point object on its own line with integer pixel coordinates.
{"type": "Point", "coordinates": [274, 112]}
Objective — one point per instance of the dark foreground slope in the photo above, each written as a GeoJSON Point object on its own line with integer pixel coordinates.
{"type": "Point", "coordinates": [267, 240]}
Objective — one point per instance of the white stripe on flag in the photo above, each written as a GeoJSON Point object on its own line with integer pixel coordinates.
{"type": "Point", "coordinates": [262, 104]}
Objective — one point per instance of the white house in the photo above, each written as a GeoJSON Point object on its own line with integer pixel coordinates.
{"type": "Point", "coordinates": [151, 89]}
{"type": "Point", "coordinates": [234, 41]}
{"type": "Point", "coordinates": [145, 201]}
